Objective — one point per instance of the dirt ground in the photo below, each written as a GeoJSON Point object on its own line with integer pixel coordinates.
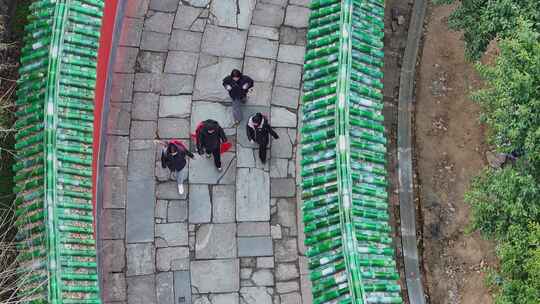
{"type": "Point", "coordinates": [450, 150]}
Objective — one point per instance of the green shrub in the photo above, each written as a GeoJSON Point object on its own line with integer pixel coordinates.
{"type": "Point", "coordinates": [483, 20]}
{"type": "Point", "coordinates": [511, 99]}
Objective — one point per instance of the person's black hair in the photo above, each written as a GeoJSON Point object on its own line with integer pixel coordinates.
{"type": "Point", "coordinates": [236, 73]}
{"type": "Point", "coordinates": [257, 118]}
{"type": "Point", "coordinates": [172, 148]}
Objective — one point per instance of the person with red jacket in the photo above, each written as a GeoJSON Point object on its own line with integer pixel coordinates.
{"type": "Point", "coordinates": [174, 158]}
{"type": "Point", "coordinates": [258, 130]}
{"type": "Point", "coordinates": [210, 136]}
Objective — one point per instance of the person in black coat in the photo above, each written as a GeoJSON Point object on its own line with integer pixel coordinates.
{"type": "Point", "coordinates": [258, 130]}
{"type": "Point", "coordinates": [238, 86]}
{"type": "Point", "coordinates": [210, 136]}
{"type": "Point", "coordinates": [174, 158]}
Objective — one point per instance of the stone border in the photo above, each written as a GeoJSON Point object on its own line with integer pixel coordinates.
{"type": "Point", "coordinates": [103, 138]}
{"type": "Point", "coordinates": [413, 275]}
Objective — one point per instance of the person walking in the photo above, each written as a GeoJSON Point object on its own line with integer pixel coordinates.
{"type": "Point", "coordinates": [258, 130]}
{"type": "Point", "coordinates": [174, 158]}
{"type": "Point", "coordinates": [210, 136]}
{"type": "Point", "coordinates": [238, 86]}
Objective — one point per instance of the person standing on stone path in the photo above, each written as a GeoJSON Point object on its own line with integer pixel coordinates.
{"type": "Point", "coordinates": [210, 136]}
{"type": "Point", "coordinates": [238, 86]}
{"type": "Point", "coordinates": [258, 130]}
{"type": "Point", "coordinates": [174, 158]}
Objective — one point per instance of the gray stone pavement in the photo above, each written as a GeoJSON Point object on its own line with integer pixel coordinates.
{"type": "Point", "coordinates": [235, 236]}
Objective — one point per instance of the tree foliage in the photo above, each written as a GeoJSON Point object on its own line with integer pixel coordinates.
{"type": "Point", "coordinates": [511, 99]}
{"type": "Point", "coordinates": [483, 20]}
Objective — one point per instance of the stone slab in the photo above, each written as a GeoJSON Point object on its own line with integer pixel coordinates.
{"type": "Point", "coordinates": [125, 59]}
{"type": "Point", "coordinates": [268, 15]}
{"type": "Point", "coordinates": [232, 13]}
{"type": "Point", "coordinates": [260, 95]}
{"type": "Point", "coordinates": [169, 191]}
{"type": "Point", "coordinates": [207, 276]}
{"type": "Point", "coordinates": [281, 117]}
{"type": "Point", "coordinates": [286, 271]}
{"type": "Point", "coordinates": [223, 204]}
{"type": "Point", "coordinates": [262, 48]}
{"type": "Point", "coordinates": [185, 41]}
{"type": "Point", "coordinates": [141, 165]}
{"type": "Point", "coordinates": [278, 166]}
{"type": "Point", "coordinates": [171, 234]}
{"type": "Point", "coordinates": [175, 106]}
{"type": "Point", "coordinates": [177, 211]}
{"type": "Point", "coordinates": [263, 32]}
{"type": "Point", "coordinates": [288, 75]}
{"type": "Point", "coordinates": [283, 147]}
{"type": "Point", "coordinates": [114, 287]}
{"type": "Point", "coordinates": [291, 53]}
{"type": "Point", "coordinates": [145, 106]}
{"type": "Point", "coordinates": [165, 288]}
{"type": "Point", "coordinates": [210, 76]}
{"type": "Point", "coordinates": [142, 289]}
{"type": "Point", "coordinates": [227, 42]}
{"type": "Point", "coordinates": [252, 195]}
{"type": "Point", "coordinates": [260, 69]}
{"type": "Point", "coordinates": [143, 129]}
{"type": "Point", "coordinates": [182, 287]}
{"type": "Point", "coordinates": [203, 110]}
{"type": "Point", "coordinates": [159, 22]}
{"type": "Point", "coordinates": [253, 229]}
{"type": "Point", "coordinates": [286, 250]}
{"type": "Point", "coordinates": [113, 221]}
{"type": "Point", "coordinates": [175, 84]}
{"type": "Point", "coordinates": [137, 9]}
{"type": "Point", "coordinates": [200, 206]}
{"type": "Point", "coordinates": [263, 277]}
{"type": "Point", "coordinates": [256, 295]}
{"type": "Point", "coordinates": [224, 298]}
{"type": "Point", "coordinates": [119, 119]}
{"type": "Point", "coordinates": [255, 246]}
{"type": "Point", "coordinates": [297, 16]}
{"type": "Point", "coordinates": [216, 241]}
{"type": "Point", "coordinates": [180, 62]}
{"type": "Point", "coordinates": [140, 259]}
{"type": "Point", "coordinates": [173, 128]}
{"type": "Point", "coordinates": [186, 16]}
{"type": "Point", "coordinates": [203, 171]}
{"type": "Point", "coordinates": [140, 211]}
{"type": "Point", "coordinates": [282, 187]}
{"type": "Point", "coordinates": [147, 82]}
{"type": "Point", "coordinates": [117, 151]}
{"type": "Point", "coordinates": [286, 97]}
{"type": "Point", "coordinates": [113, 257]}
{"type": "Point", "coordinates": [153, 41]}
{"type": "Point", "coordinates": [150, 62]}
{"type": "Point", "coordinates": [114, 190]}
{"type": "Point", "coordinates": [265, 262]}
{"type": "Point", "coordinates": [172, 258]}
{"type": "Point", "coordinates": [122, 87]}
{"type": "Point", "coordinates": [164, 5]}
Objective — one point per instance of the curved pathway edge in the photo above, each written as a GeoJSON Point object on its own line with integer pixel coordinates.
{"type": "Point", "coordinates": [415, 289]}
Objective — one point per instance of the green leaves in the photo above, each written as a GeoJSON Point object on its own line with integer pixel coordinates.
{"type": "Point", "coordinates": [483, 20]}
{"type": "Point", "coordinates": [511, 98]}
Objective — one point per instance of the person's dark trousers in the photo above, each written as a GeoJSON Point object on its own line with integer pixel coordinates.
{"type": "Point", "coordinates": [217, 157]}
{"type": "Point", "coordinates": [262, 152]}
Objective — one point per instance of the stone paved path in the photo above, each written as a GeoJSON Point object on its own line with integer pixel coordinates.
{"type": "Point", "coordinates": [234, 236]}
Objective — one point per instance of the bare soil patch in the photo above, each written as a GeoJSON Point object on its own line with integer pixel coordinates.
{"type": "Point", "coordinates": [450, 149]}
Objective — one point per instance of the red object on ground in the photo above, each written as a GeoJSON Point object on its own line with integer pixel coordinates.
{"type": "Point", "coordinates": [104, 55]}
{"type": "Point", "coordinates": [226, 146]}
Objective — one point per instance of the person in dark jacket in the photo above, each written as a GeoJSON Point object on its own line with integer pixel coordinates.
{"type": "Point", "coordinates": [258, 130]}
{"type": "Point", "coordinates": [238, 86]}
{"type": "Point", "coordinates": [210, 136]}
{"type": "Point", "coordinates": [174, 158]}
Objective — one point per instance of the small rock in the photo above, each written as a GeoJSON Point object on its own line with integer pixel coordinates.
{"type": "Point", "coordinates": [400, 20]}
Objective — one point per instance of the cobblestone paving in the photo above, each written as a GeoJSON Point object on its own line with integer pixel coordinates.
{"type": "Point", "coordinates": [234, 237]}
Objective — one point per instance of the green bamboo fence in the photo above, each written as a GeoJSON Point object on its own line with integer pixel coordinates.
{"type": "Point", "coordinates": [343, 146]}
